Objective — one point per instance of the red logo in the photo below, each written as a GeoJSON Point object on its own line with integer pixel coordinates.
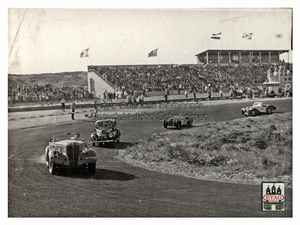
{"type": "Point", "coordinates": [274, 198]}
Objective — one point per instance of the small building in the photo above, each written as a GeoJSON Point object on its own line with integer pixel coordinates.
{"type": "Point", "coordinates": [245, 57]}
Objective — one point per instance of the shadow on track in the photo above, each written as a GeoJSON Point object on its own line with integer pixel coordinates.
{"type": "Point", "coordinates": [100, 174]}
{"type": "Point", "coordinates": [182, 128]}
{"type": "Point", "coordinates": [118, 146]}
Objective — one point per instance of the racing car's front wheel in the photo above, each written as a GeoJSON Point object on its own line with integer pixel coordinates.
{"type": "Point", "coordinates": [178, 126]}
{"type": "Point", "coordinates": [92, 168]}
{"type": "Point", "coordinates": [52, 168]}
{"type": "Point", "coordinates": [253, 113]}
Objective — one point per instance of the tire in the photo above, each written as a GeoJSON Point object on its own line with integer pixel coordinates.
{"type": "Point", "coordinates": [189, 123]}
{"type": "Point", "coordinates": [269, 110]}
{"type": "Point", "coordinates": [165, 125]}
{"type": "Point", "coordinates": [253, 113]}
{"type": "Point", "coordinates": [178, 126]}
{"type": "Point", "coordinates": [92, 168]}
{"type": "Point", "coordinates": [52, 168]}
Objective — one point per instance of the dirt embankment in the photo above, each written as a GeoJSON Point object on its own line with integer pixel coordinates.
{"type": "Point", "coordinates": [247, 150]}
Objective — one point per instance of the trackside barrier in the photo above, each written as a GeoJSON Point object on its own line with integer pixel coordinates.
{"type": "Point", "coordinates": [115, 104]}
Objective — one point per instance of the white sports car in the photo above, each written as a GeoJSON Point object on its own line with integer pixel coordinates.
{"type": "Point", "coordinates": [258, 108]}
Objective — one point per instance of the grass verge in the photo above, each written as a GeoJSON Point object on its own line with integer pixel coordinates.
{"type": "Point", "coordinates": [247, 150]}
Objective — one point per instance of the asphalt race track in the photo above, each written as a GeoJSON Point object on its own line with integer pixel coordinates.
{"type": "Point", "coordinates": [119, 189]}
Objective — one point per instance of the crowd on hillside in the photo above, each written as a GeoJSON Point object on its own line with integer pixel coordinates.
{"type": "Point", "coordinates": [46, 93]}
{"type": "Point", "coordinates": [135, 81]}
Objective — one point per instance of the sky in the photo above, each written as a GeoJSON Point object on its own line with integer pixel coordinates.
{"type": "Point", "coordinates": [50, 40]}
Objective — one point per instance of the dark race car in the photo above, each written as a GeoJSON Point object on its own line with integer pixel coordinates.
{"type": "Point", "coordinates": [178, 122]}
{"type": "Point", "coordinates": [258, 108]}
{"type": "Point", "coordinates": [105, 131]}
{"type": "Point", "coordinates": [64, 151]}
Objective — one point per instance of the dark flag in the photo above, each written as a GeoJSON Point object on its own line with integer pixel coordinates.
{"type": "Point", "coordinates": [216, 36]}
{"type": "Point", "coordinates": [247, 36]}
{"type": "Point", "coordinates": [153, 53]}
{"type": "Point", "coordinates": [279, 36]}
{"type": "Point", "coordinates": [84, 53]}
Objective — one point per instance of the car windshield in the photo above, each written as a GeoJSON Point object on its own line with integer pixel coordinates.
{"type": "Point", "coordinates": [68, 136]}
{"type": "Point", "coordinates": [257, 103]}
{"type": "Point", "coordinates": [104, 124]}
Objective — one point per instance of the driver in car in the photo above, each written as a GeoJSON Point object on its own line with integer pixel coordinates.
{"type": "Point", "coordinates": [76, 137]}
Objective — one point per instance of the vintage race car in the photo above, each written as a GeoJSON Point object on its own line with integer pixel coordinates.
{"type": "Point", "coordinates": [65, 151]}
{"type": "Point", "coordinates": [105, 131]}
{"type": "Point", "coordinates": [258, 108]}
{"type": "Point", "coordinates": [178, 121]}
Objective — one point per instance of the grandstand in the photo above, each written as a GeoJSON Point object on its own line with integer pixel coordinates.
{"type": "Point", "coordinates": [226, 70]}
{"type": "Point", "coordinates": [173, 78]}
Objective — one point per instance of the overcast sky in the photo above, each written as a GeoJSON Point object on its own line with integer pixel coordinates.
{"type": "Point", "coordinates": [44, 40]}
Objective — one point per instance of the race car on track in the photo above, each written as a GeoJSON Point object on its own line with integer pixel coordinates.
{"type": "Point", "coordinates": [258, 108]}
{"type": "Point", "coordinates": [105, 131]}
{"type": "Point", "coordinates": [178, 121]}
{"type": "Point", "coordinates": [65, 151]}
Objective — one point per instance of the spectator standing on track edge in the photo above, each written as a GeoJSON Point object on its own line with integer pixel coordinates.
{"type": "Point", "coordinates": [63, 104]}
{"type": "Point", "coordinates": [209, 94]}
{"type": "Point", "coordinates": [73, 110]}
{"type": "Point", "coordinates": [95, 109]}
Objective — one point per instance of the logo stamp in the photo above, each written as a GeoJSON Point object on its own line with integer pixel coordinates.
{"type": "Point", "coordinates": [273, 198]}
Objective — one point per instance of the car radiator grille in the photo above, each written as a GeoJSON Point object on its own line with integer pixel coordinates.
{"type": "Point", "coordinates": [73, 153]}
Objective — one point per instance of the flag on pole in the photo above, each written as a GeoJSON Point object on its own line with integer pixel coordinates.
{"type": "Point", "coordinates": [153, 53]}
{"type": "Point", "coordinates": [247, 36]}
{"type": "Point", "coordinates": [279, 36]}
{"type": "Point", "coordinates": [84, 53]}
{"type": "Point", "coordinates": [216, 36]}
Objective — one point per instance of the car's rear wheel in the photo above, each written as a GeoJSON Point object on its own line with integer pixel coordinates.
{"type": "Point", "coordinates": [165, 124]}
{"type": "Point", "coordinates": [92, 168]}
{"type": "Point", "coordinates": [269, 111]}
{"type": "Point", "coordinates": [52, 168]}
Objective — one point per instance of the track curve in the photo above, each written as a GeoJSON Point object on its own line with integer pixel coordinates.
{"type": "Point", "coordinates": [121, 190]}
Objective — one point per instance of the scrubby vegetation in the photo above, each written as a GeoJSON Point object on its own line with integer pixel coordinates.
{"type": "Point", "coordinates": [248, 149]}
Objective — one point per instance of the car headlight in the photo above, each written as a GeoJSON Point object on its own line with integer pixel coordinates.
{"type": "Point", "coordinates": [84, 150]}
{"type": "Point", "coordinates": [111, 135]}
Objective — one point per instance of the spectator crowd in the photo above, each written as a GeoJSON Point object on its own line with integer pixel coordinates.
{"type": "Point", "coordinates": [132, 82]}
{"type": "Point", "coordinates": [46, 93]}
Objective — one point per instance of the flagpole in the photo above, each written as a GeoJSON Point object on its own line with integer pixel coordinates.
{"type": "Point", "coordinates": [90, 57]}
{"type": "Point", "coordinates": [158, 58]}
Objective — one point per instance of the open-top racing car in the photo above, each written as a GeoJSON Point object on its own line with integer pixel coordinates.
{"type": "Point", "coordinates": [67, 151]}
{"type": "Point", "coordinates": [258, 108]}
{"type": "Point", "coordinates": [178, 121]}
{"type": "Point", "coordinates": [105, 131]}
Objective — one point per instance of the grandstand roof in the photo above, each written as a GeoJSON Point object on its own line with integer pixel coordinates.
{"type": "Point", "coordinates": [241, 50]}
